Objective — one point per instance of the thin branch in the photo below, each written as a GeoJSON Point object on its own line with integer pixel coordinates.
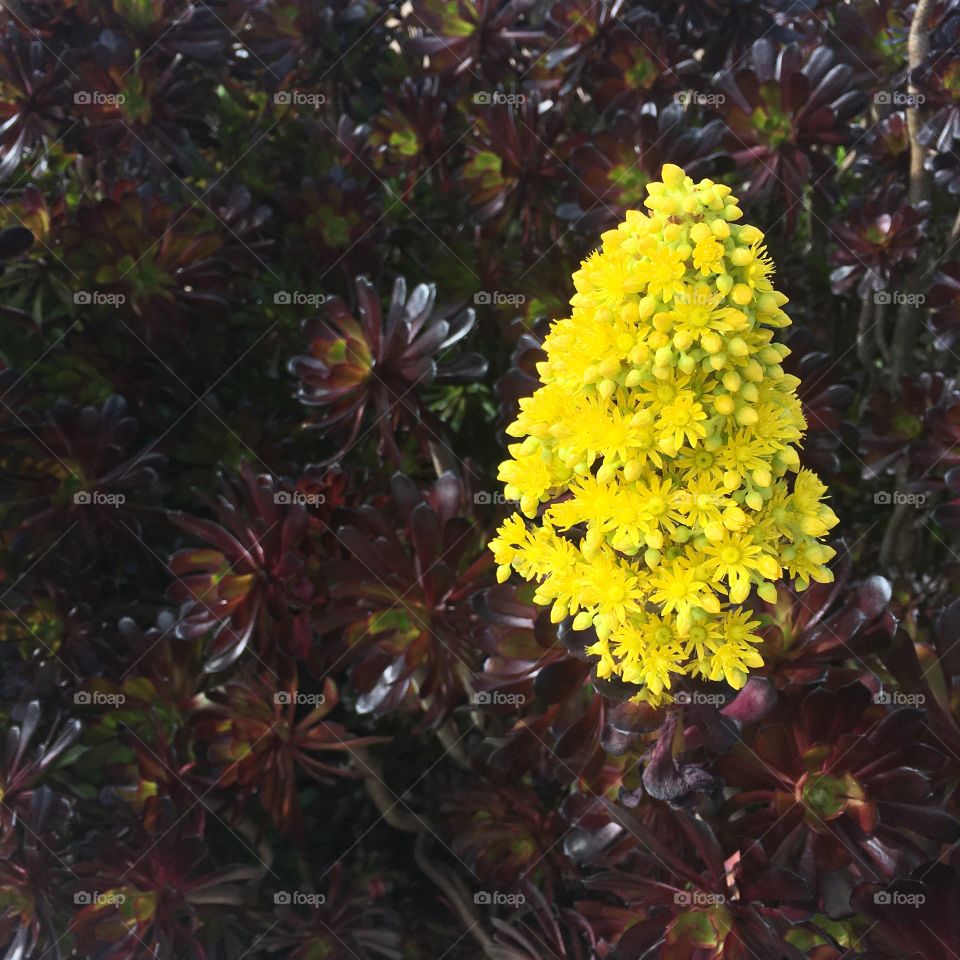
{"type": "Point", "coordinates": [383, 799]}
{"type": "Point", "coordinates": [866, 341]}
{"type": "Point", "coordinates": [455, 892]}
{"type": "Point", "coordinates": [908, 317]}
{"type": "Point", "coordinates": [918, 47]}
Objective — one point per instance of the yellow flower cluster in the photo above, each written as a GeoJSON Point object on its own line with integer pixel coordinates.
{"type": "Point", "coordinates": [661, 442]}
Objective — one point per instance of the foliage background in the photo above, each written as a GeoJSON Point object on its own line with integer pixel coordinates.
{"type": "Point", "coordinates": [261, 696]}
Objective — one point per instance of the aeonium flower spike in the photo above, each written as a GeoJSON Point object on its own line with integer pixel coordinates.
{"type": "Point", "coordinates": [657, 464]}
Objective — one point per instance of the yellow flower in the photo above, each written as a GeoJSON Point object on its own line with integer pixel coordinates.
{"type": "Point", "coordinates": [663, 443]}
{"type": "Point", "coordinates": [663, 272]}
{"type": "Point", "coordinates": [612, 587]}
{"type": "Point", "coordinates": [681, 421]}
{"type": "Point", "coordinates": [528, 478]}
{"type": "Point", "coordinates": [702, 501]}
{"type": "Point", "coordinates": [708, 256]}
{"type": "Point", "coordinates": [607, 279]}
{"type": "Point", "coordinates": [696, 311]}
{"type": "Point", "coordinates": [738, 560]}
{"type": "Point", "coordinates": [678, 589]}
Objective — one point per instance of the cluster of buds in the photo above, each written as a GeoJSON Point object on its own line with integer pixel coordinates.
{"type": "Point", "coordinates": [658, 461]}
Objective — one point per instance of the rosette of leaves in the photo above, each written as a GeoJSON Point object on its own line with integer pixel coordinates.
{"type": "Point", "coordinates": [250, 581]}
{"type": "Point", "coordinates": [479, 37]}
{"type": "Point", "coordinates": [260, 743]}
{"type": "Point", "coordinates": [144, 110]}
{"type": "Point", "coordinates": [691, 898]}
{"type": "Point", "coordinates": [410, 136]}
{"type": "Point", "coordinates": [641, 61]}
{"type": "Point", "coordinates": [171, 266]}
{"type": "Point", "coordinates": [939, 79]}
{"type": "Point", "coordinates": [403, 597]}
{"type": "Point", "coordinates": [515, 159]}
{"type": "Point", "coordinates": [158, 891]}
{"type": "Point", "coordinates": [877, 240]}
{"type": "Point", "coordinates": [615, 164]}
{"type": "Point", "coordinates": [836, 778]}
{"type": "Point", "coordinates": [34, 96]}
{"type": "Point", "coordinates": [334, 221]}
{"type": "Point", "coordinates": [365, 366]}
{"type": "Point", "coordinates": [916, 430]}
{"type": "Point", "coordinates": [81, 476]}
{"type": "Point", "coordinates": [787, 111]}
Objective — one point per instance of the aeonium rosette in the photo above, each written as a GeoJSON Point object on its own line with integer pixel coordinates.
{"type": "Point", "coordinates": [658, 461]}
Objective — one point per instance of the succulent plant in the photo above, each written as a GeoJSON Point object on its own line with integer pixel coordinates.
{"type": "Point", "coordinates": [846, 781]}
{"type": "Point", "coordinates": [380, 364]}
{"type": "Point", "coordinates": [262, 694]}
{"type": "Point", "coordinates": [880, 237]}
{"type": "Point", "coordinates": [785, 111]}
{"type": "Point", "coordinates": [250, 581]}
